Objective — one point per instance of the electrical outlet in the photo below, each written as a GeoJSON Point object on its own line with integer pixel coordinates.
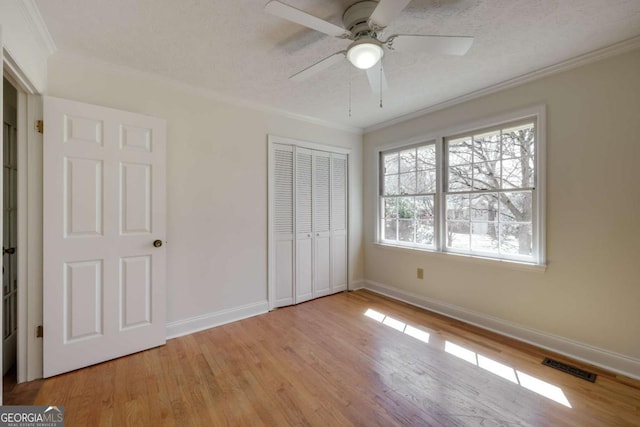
{"type": "Point", "coordinates": [420, 273]}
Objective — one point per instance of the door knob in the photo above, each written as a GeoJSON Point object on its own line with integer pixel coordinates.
{"type": "Point", "coordinates": [9, 251]}
{"type": "Point", "coordinates": [157, 243]}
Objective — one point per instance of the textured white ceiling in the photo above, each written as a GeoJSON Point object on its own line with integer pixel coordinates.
{"type": "Point", "coordinates": [237, 50]}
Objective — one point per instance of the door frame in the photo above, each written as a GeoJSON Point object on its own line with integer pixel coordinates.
{"type": "Point", "coordinates": [29, 239]}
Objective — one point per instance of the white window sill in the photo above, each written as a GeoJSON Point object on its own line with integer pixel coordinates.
{"type": "Point", "coordinates": [473, 259]}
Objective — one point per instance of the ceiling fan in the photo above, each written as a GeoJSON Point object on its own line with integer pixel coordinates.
{"type": "Point", "coordinates": [364, 23]}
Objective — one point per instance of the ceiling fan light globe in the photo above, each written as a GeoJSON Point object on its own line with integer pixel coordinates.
{"type": "Point", "coordinates": [365, 55]}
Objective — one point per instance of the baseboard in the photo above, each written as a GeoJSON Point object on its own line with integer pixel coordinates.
{"type": "Point", "coordinates": [205, 321]}
{"type": "Point", "coordinates": [605, 359]}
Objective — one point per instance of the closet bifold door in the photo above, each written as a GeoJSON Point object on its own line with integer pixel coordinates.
{"type": "Point", "coordinates": [339, 246]}
{"type": "Point", "coordinates": [304, 267]}
{"type": "Point", "coordinates": [283, 245]}
{"type": "Point", "coordinates": [322, 223]}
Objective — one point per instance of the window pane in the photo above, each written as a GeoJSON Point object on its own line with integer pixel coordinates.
{"type": "Point", "coordinates": [458, 235]}
{"type": "Point", "coordinates": [390, 208]}
{"type": "Point", "coordinates": [427, 157]}
{"type": "Point", "coordinates": [518, 141]}
{"type": "Point", "coordinates": [390, 163]}
{"type": "Point", "coordinates": [458, 206]}
{"type": "Point", "coordinates": [424, 207]}
{"type": "Point", "coordinates": [406, 207]}
{"type": "Point", "coordinates": [405, 230]}
{"type": "Point", "coordinates": [516, 239]}
{"type": "Point", "coordinates": [390, 229]}
{"type": "Point", "coordinates": [408, 160]}
{"type": "Point", "coordinates": [460, 178]}
{"type": "Point", "coordinates": [518, 173]}
{"type": "Point", "coordinates": [459, 151]}
{"type": "Point", "coordinates": [484, 207]}
{"type": "Point", "coordinates": [408, 183]}
{"type": "Point", "coordinates": [516, 206]}
{"type": "Point", "coordinates": [424, 232]}
{"type": "Point", "coordinates": [484, 237]}
{"type": "Point", "coordinates": [486, 147]}
{"type": "Point", "coordinates": [390, 185]}
{"type": "Point", "coordinates": [486, 176]}
{"type": "Point", "coordinates": [426, 182]}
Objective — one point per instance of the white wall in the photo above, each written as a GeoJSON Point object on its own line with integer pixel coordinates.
{"type": "Point", "coordinates": [590, 292]}
{"type": "Point", "coordinates": [217, 182]}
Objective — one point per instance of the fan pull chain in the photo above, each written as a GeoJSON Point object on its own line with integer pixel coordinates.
{"type": "Point", "coordinates": [380, 82]}
{"type": "Point", "coordinates": [350, 72]}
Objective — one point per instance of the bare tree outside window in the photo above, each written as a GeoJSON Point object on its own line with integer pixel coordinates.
{"type": "Point", "coordinates": [490, 180]}
{"type": "Point", "coordinates": [409, 186]}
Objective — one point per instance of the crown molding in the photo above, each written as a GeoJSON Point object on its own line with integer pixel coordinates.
{"type": "Point", "coordinates": [203, 92]}
{"type": "Point", "coordinates": [577, 61]}
{"type": "Point", "coordinates": [34, 18]}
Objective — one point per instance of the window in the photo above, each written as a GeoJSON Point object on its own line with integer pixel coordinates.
{"type": "Point", "coordinates": [408, 195]}
{"type": "Point", "coordinates": [474, 193]}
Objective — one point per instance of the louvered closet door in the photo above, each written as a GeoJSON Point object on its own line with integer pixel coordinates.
{"type": "Point", "coordinates": [283, 232]}
{"type": "Point", "coordinates": [322, 222]}
{"type": "Point", "coordinates": [304, 225]}
{"type": "Point", "coordinates": [339, 250]}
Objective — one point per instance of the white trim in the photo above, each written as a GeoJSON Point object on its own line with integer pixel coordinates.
{"type": "Point", "coordinates": [33, 251]}
{"type": "Point", "coordinates": [15, 73]}
{"type": "Point", "coordinates": [577, 61]}
{"type": "Point", "coordinates": [205, 93]}
{"type": "Point", "coordinates": [605, 359]}
{"type": "Point", "coordinates": [195, 324]}
{"type": "Point", "coordinates": [32, 13]}
{"type": "Point", "coordinates": [22, 241]}
{"type": "Point", "coordinates": [275, 139]}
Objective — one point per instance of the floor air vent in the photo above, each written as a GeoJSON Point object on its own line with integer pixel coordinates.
{"type": "Point", "coordinates": [576, 372]}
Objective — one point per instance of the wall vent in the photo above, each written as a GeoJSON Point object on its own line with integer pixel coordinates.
{"type": "Point", "coordinates": [576, 372]}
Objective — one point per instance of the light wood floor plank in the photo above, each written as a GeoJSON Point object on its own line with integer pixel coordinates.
{"type": "Point", "coordinates": [325, 363]}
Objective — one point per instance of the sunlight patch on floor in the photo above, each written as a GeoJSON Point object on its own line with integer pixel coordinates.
{"type": "Point", "coordinates": [508, 373]}
{"type": "Point", "coordinates": [398, 325]}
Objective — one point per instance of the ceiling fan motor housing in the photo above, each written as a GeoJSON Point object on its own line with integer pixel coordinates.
{"type": "Point", "coordinates": [355, 18]}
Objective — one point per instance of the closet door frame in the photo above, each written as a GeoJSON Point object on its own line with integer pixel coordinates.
{"type": "Point", "coordinates": [272, 141]}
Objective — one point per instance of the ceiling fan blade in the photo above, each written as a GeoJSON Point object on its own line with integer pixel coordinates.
{"type": "Point", "coordinates": [446, 45]}
{"type": "Point", "coordinates": [303, 18]}
{"type": "Point", "coordinates": [318, 66]}
{"type": "Point", "coordinates": [377, 79]}
{"type": "Point", "coordinates": [385, 12]}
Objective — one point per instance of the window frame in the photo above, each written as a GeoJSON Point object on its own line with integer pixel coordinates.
{"type": "Point", "coordinates": [536, 114]}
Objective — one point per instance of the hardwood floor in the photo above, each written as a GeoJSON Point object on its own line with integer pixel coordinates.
{"type": "Point", "coordinates": [326, 363]}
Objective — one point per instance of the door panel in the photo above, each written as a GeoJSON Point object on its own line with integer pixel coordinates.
{"type": "Point", "coordinates": [339, 262]}
{"type": "Point", "coordinates": [339, 252]}
{"type": "Point", "coordinates": [104, 205]}
{"type": "Point", "coordinates": [322, 264]}
{"type": "Point", "coordinates": [282, 245]}
{"type": "Point", "coordinates": [322, 222]}
{"type": "Point", "coordinates": [304, 225]}
{"type": "Point", "coordinates": [304, 269]}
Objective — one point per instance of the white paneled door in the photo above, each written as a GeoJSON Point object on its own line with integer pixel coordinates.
{"type": "Point", "coordinates": [104, 230]}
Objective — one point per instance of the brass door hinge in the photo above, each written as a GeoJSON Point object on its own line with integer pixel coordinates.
{"type": "Point", "coordinates": [39, 331]}
{"type": "Point", "coordinates": [40, 126]}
